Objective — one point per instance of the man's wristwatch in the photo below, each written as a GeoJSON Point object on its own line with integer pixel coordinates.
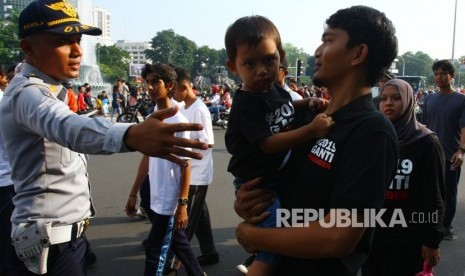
{"type": "Point", "coordinates": [462, 149]}
{"type": "Point", "coordinates": [182, 201]}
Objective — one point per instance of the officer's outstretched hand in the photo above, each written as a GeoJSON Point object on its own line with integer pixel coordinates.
{"type": "Point", "coordinates": [155, 138]}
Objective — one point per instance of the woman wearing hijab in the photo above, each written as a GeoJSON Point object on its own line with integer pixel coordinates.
{"type": "Point", "coordinates": [417, 191]}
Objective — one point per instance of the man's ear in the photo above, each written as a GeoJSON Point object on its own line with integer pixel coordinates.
{"type": "Point", "coordinates": [231, 66]}
{"type": "Point", "coordinates": [360, 54]}
{"type": "Point", "coordinates": [25, 46]}
{"type": "Point", "coordinates": [170, 86]}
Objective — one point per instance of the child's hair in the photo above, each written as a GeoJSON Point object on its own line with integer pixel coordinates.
{"type": "Point", "coordinates": [161, 71]}
{"type": "Point", "coordinates": [445, 65]}
{"type": "Point", "coordinates": [250, 30]}
{"type": "Point", "coordinates": [182, 75]}
{"type": "Point", "coordinates": [366, 25]}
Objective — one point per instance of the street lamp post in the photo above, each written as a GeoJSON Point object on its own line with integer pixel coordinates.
{"type": "Point", "coordinates": [453, 34]}
{"type": "Point", "coordinates": [403, 65]}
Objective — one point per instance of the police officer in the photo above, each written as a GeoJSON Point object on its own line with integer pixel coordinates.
{"type": "Point", "coordinates": [46, 143]}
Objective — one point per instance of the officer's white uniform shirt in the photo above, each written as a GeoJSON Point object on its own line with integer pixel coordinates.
{"type": "Point", "coordinates": [50, 174]}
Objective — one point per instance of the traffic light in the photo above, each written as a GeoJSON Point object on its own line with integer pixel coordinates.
{"type": "Point", "coordinates": [299, 68]}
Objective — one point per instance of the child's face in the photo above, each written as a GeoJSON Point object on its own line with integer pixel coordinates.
{"type": "Point", "coordinates": [257, 66]}
{"type": "Point", "coordinates": [156, 87]}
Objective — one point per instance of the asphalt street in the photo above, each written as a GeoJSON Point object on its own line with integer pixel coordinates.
{"type": "Point", "coordinates": [116, 239]}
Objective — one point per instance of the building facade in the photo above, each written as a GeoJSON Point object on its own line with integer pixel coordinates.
{"type": "Point", "coordinates": [135, 49]}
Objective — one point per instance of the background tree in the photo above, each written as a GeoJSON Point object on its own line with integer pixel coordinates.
{"type": "Point", "coordinates": [416, 64]}
{"type": "Point", "coordinates": [113, 62]}
{"type": "Point", "coordinates": [460, 71]}
{"type": "Point", "coordinates": [169, 47]}
{"type": "Point", "coordinates": [204, 60]}
{"type": "Point", "coordinates": [10, 52]}
{"type": "Point", "coordinates": [292, 55]}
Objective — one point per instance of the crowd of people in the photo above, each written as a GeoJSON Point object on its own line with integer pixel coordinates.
{"type": "Point", "coordinates": [293, 147]}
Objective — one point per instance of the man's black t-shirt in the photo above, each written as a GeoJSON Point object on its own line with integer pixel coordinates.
{"type": "Point", "coordinates": [350, 168]}
{"type": "Point", "coordinates": [254, 117]}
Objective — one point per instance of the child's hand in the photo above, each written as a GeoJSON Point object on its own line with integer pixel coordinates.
{"type": "Point", "coordinates": [318, 104]}
{"type": "Point", "coordinates": [181, 218]}
{"type": "Point", "coordinates": [321, 125]}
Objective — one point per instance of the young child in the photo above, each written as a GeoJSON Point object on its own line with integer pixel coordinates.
{"type": "Point", "coordinates": [169, 187]}
{"type": "Point", "coordinates": [105, 103]}
{"type": "Point", "coordinates": [99, 104]}
{"type": "Point", "coordinates": [259, 135]}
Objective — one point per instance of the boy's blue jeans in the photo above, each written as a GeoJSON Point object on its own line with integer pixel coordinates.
{"type": "Point", "coordinates": [269, 222]}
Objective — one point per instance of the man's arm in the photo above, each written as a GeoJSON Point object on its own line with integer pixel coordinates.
{"type": "Point", "coordinates": [181, 217]}
{"type": "Point", "coordinates": [142, 172]}
{"type": "Point", "coordinates": [87, 135]}
{"type": "Point", "coordinates": [457, 158]}
{"type": "Point", "coordinates": [155, 138]}
{"type": "Point", "coordinates": [310, 242]}
{"type": "Point", "coordinates": [251, 202]}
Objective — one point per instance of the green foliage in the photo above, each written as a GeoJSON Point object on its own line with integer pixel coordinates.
{"type": "Point", "coordinates": [168, 47]}
{"type": "Point", "coordinates": [416, 64]}
{"type": "Point", "coordinates": [10, 52]}
{"type": "Point", "coordinates": [113, 62]}
{"type": "Point", "coordinates": [459, 71]}
{"type": "Point", "coordinates": [292, 55]}
{"type": "Point", "coordinates": [205, 58]}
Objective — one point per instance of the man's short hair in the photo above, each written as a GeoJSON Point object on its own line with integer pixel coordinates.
{"type": "Point", "coordinates": [52, 16]}
{"type": "Point", "coordinates": [445, 65]}
{"type": "Point", "coordinates": [182, 75]}
{"type": "Point", "coordinates": [161, 71]}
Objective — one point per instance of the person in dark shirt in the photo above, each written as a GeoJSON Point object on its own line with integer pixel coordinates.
{"type": "Point", "coordinates": [88, 96]}
{"type": "Point", "coordinates": [259, 136]}
{"type": "Point", "coordinates": [417, 190]}
{"type": "Point", "coordinates": [444, 113]}
{"type": "Point", "coordinates": [347, 170]}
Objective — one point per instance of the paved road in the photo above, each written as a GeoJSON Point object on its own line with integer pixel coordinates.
{"type": "Point", "coordinates": [116, 239]}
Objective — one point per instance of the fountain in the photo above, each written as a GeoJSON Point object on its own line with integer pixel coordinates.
{"type": "Point", "coordinates": [89, 71]}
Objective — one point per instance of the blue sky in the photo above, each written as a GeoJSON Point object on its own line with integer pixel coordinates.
{"type": "Point", "coordinates": [422, 25]}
